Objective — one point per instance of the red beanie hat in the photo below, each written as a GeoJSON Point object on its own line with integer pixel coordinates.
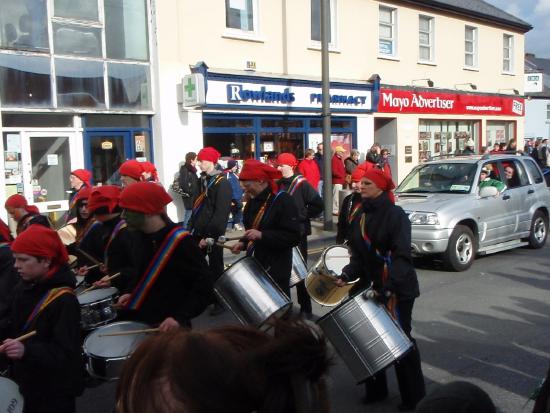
{"type": "Point", "coordinates": [381, 180]}
{"type": "Point", "coordinates": [254, 170]}
{"type": "Point", "coordinates": [149, 167]}
{"type": "Point", "coordinates": [84, 175]}
{"type": "Point", "coordinates": [39, 241]}
{"type": "Point", "coordinates": [133, 169]}
{"type": "Point", "coordinates": [5, 234]}
{"type": "Point", "coordinates": [104, 196]}
{"type": "Point", "coordinates": [19, 201]}
{"type": "Point", "coordinates": [208, 154]}
{"type": "Point", "coordinates": [83, 193]}
{"type": "Point", "coordinates": [358, 173]}
{"type": "Point", "coordinates": [145, 197]}
{"type": "Point", "coordinates": [286, 158]}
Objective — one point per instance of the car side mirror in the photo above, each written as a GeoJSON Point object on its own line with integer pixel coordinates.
{"type": "Point", "coordinates": [488, 191]}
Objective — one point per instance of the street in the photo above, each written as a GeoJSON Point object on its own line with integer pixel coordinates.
{"type": "Point", "coordinates": [488, 325]}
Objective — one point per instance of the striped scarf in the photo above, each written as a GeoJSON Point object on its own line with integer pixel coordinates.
{"type": "Point", "coordinates": [47, 299]}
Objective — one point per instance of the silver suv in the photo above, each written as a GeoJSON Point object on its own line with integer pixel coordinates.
{"type": "Point", "coordinates": [454, 215]}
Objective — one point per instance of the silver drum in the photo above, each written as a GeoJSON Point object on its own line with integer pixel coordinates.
{"type": "Point", "coordinates": [299, 268]}
{"type": "Point", "coordinates": [106, 354]}
{"type": "Point", "coordinates": [96, 307]}
{"type": "Point", "coordinates": [365, 336]}
{"type": "Point", "coordinates": [248, 291]}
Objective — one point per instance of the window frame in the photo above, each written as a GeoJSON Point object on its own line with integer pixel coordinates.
{"type": "Point", "coordinates": [548, 112]}
{"type": "Point", "coordinates": [431, 38]}
{"type": "Point", "coordinates": [393, 25]}
{"type": "Point", "coordinates": [510, 58]}
{"type": "Point", "coordinates": [475, 47]}
{"type": "Point", "coordinates": [333, 44]}
{"type": "Point", "coordinates": [254, 34]}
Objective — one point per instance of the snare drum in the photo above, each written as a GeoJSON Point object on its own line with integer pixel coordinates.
{"type": "Point", "coordinates": [96, 307]}
{"type": "Point", "coordinates": [106, 354]}
{"type": "Point", "coordinates": [320, 281]}
{"type": "Point", "coordinates": [365, 336]}
{"type": "Point", "coordinates": [299, 268]}
{"type": "Point", "coordinates": [248, 291]}
{"type": "Point", "coordinates": [10, 399]}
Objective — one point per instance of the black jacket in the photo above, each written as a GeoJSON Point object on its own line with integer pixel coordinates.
{"type": "Point", "coordinates": [344, 226]}
{"type": "Point", "coordinates": [183, 288]}
{"type": "Point", "coordinates": [280, 232]}
{"type": "Point", "coordinates": [8, 280]}
{"type": "Point", "coordinates": [52, 362]}
{"type": "Point", "coordinates": [307, 199]}
{"type": "Point", "coordinates": [320, 163]}
{"type": "Point", "coordinates": [189, 183]}
{"type": "Point", "coordinates": [389, 230]}
{"type": "Point", "coordinates": [210, 220]}
{"type": "Point", "coordinates": [31, 219]}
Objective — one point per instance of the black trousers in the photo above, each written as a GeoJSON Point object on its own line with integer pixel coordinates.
{"type": "Point", "coordinates": [51, 404]}
{"type": "Point", "coordinates": [408, 369]}
{"type": "Point", "coordinates": [303, 297]}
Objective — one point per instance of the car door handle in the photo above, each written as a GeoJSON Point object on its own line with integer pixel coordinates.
{"type": "Point", "coordinates": [531, 191]}
{"type": "Point", "coordinates": [506, 197]}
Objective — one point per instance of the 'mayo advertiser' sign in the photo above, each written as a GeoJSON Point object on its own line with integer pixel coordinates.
{"type": "Point", "coordinates": [408, 101]}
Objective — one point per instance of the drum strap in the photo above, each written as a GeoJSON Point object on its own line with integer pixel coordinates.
{"type": "Point", "coordinates": [258, 220]}
{"type": "Point", "coordinates": [47, 299]}
{"type": "Point", "coordinates": [156, 266]}
{"type": "Point", "coordinates": [87, 230]}
{"type": "Point", "coordinates": [199, 202]}
{"type": "Point", "coordinates": [354, 210]}
{"type": "Point", "coordinates": [118, 227]}
{"type": "Point", "coordinates": [296, 182]}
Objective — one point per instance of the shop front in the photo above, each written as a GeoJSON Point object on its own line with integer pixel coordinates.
{"type": "Point", "coordinates": [259, 117]}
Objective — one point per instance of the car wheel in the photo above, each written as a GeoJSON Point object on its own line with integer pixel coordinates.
{"type": "Point", "coordinates": [461, 250]}
{"type": "Point", "coordinates": [539, 230]}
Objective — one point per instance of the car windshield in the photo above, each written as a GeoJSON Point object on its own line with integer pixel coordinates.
{"type": "Point", "coordinates": [441, 177]}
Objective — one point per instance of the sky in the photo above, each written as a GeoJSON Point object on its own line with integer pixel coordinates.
{"type": "Point", "coordinates": [536, 13]}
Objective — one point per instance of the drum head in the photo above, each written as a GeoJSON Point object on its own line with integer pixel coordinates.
{"type": "Point", "coordinates": [96, 295]}
{"type": "Point", "coordinates": [112, 347]}
{"type": "Point", "coordinates": [336, 258]}
{"type": "Point", "coordinates": [10, 398]}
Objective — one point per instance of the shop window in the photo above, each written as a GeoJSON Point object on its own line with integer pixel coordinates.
{"type": "Point", "coordinates": [507, 53]}
{"type": "Point", "coordinates": [113, 121]}
{"type": "Point", "coordinates": [274, 143]}
{"type": "Point", "coordinates": [228, 123]}
{"type": "Point", "coordinates": [470, 46]}
{"type": "Point", "coordinates": [77, 40]}
{"type": "Point", "coordinates": [425, 38]}
{"type": "Point", "coordinates": [334, 123]}
{"type": "Point", "coordinates": [24, 81]}
{"type": "Point", "coordinates": [142, 145]}
{"type": "Point", "coordinates": [499, 132]}
{"type": "Point", "coordinates": [387, 33]}
{"type": "Point", "coordinates": [126, 29]}
{"type": "Point", "coordinates": [442, 139]}
{"type": "Point", "coordinates": [241, 15]}
{"type": "Point", "coordinates": [76, 9]}
{"type": "Point", "coordinates": [51, 120]}
{"type": "Point", "coordinates": [24, 25]}
{"type": "Point", "coordinates": [282, 123]}
{"type": "Point", "coordinates": [316, 21]}
{"type": "Point", "coordinates": [79, 83]}
{"type": "Point", "coordinates": [51, 165]}
{"type": "Point", "coordinates": [548, 112]}
{"type": "Point", "coordinates": [129, 86]}
{"type": "Point", "coordinates": [226, 143]}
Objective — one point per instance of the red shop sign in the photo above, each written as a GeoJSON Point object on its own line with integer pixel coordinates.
{"type": "Point", "coordinates": [407, 101]}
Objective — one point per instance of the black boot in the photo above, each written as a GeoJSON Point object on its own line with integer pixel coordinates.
{"type": "Point", "coordinates": [376, 388]}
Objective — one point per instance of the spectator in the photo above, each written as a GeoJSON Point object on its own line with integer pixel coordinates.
{"type": "Point", "coordinates": [373, 156]}
{"type": "Point", "coordinates": [350, 163]}
{"type": "Point", "coordinates": [319, 160]}
{"type": "Point", "coordinates": [469, 147]}
{"type": "Point", "coordinates": [310, 169]}
{"type": "Point", "coordinates": [512, 146]}
{"type": "Point", "coordinates": [543, 158]}
{"type": "Point", "coordinates": [501, 147]}
{"type": "Point", "coordinates": [528, 147]}
{"type": "Point", "coordinates": [496, 148]}
{"type": "Point", "coordinates": [338, 176]}
{"type": "Point", "coordinates": [384, 163]}
{"type": "Point", "coordinates": [535, 152]}
{"type": "Point", "coordinates": [485, 180]}
{"type": "Point", "coordinates": [236, 197]}
{"type": "Point", "coordinates": [188, 182]}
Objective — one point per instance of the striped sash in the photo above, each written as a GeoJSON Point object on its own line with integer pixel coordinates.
{"type": "Point", "coordinates": [258, 220]}
{"type": "Point", "coordinates": [199, 202]}
{"type": "Point", "coordinates": [46, 300]}
{"type": "Point", "coordinates": [118, 227]}
{"type": "Point", "coordinates": [296, 182]}
{"type": "Point", "coordinates": [156, 266]}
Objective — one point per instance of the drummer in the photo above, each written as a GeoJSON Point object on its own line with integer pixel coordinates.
{"type": "Point", "coordinates": [271, 222]}
{"type": "Point", "coordinates": [24, 214]}
{"type": "Point", "coordinates": [48, 366]}
{"type": "Point", "coordinates": [131, 171]}
{"type": "Point", "coordinates": [351, 206]}
{"type": "Point", "coordinates": [309, 205]}
{"type": "Point", "coordinates": [72, 233]}
{"type": "Point", "coordinates": [117, 248]}
{"type": "Point", "coordinates": [8, 274]}
{"type": "Point", "coordinates": [380, 243]}
{"type": "Point", "coordinates": [175, 284]}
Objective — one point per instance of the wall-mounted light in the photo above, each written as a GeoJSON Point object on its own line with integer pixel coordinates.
{"type": "Point", "coordinates": [470, 85]}
{"type": "Point", "coordinates": [514, 91]}
{"type": "Point", "coordinates": [429, 82]}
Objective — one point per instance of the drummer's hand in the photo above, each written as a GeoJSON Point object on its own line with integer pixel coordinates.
{"type": "Point", "coordinates": [237, 248]}
{"type": "Point", "coordinates": [202, 243]}
{"type": "Point", "coordinates": [103, 268]}
{"type": "Point", "coordinates": [82, 271]}
{"type": "Point", "coordinates": [253, 234]}
{"type": "Point", "coordinates": [168, 324]}
{"type": "Point", "coordinates": [103, 283]}
{"type": "Point", "coordinates": [14, 349]}
{"type": "Point", "coordinates": [339, 282]}
{"type": "Point", "coordinates": [123, 300]}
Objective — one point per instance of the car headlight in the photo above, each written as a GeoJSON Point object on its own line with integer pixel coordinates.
{"type": "Point", "coordinates": [423, 218]}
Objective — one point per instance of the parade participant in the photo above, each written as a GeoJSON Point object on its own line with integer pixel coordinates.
{"type": "Point", "coordinates": [175, 285]}
{"type": "Point", "coordinates": [380, 244]}
{"type": "Point", "coordinates": [24, 214]}
{"type": "Point", "coordinates": [72, 232]}
{"type": "Point", "coordinates": [48, 366]}
{"type": "Point", "coordinates": [271, 222]}
{"type": "Point", "coordinates": [8, 274]}
{"type": "Point", "coordinates": [310, 170]}
{"type": "Point", "coordinates": [79, 179]}
{"type": "Point", "coordinates": [250, 370]}
{"type": "Point", "coordinates": [131, 172]}
{"type": "Point", "coordinates": [351, 206]}
{"type": "Point", "coordinates": [111, 242]}
{"type": "Point", "coordinates": [211, 212]}
{"type": "Point", "coordinates": [150, 172]}
{"type": "Point", "coordinates": [309, 205]}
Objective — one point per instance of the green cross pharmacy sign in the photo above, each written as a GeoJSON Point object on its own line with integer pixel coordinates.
{"type": "Point", "coordinates": [193, 94]}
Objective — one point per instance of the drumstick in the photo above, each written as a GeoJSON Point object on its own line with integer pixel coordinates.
{"type": "Point", "coordinates": [93, 266]}
{"type": "Point", "coordinates": [123, 333]}
{"type": "Point", "coordinates": [93, 287]}
{"type": "Point", "coordinates": [224, 246]}
{"type": "Point", "coordinates": [233, 239]}
{"type": "Point", "coordinates": [21, 338]}
{"type": "Point", "coordinates": [89, 257]}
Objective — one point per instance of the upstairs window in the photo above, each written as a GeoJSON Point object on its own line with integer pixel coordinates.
{"type": "Point", "coordinates": [507, 53]}
{"type": "Point", "coordinates": [425, 38]}
{"type": "Point", "coordinates": [470, 47]}
{"type": "Point", "coordinates": [241, 15]}
{"type": "Point", "coordinates": [387, 34]}
{"type": "Point", "coordinates": [316, 21]}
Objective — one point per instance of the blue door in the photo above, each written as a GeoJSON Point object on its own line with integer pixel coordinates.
{"type": "Point", "coordinates": [104, 153]}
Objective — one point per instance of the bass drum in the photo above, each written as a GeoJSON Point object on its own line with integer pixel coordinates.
{"type": "Point", "coordinates": [320, 281]}
{"type": "Point", "coordinates": [248, 291]}
{"type": "Point", "coordinates": [365, 335]}
{"type": "Point", "coordinates": [10, 399]}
